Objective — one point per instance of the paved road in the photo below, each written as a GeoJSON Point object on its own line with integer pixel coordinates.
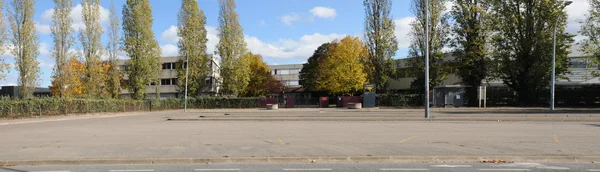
{"type": "Point", "coordinates": [342, 167]}
{"type": "Point", "coordinates": [149, 135]}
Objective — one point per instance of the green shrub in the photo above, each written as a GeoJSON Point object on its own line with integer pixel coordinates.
{"type": "Point", "coordinates": [60, 106]}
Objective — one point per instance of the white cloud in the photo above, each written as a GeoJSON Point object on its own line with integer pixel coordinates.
{"type": "Point", "coordinates": [213, 39]}
{"type": "Point", "coordinates": [318, 11]}
{"type": "Point", "coordinates": [576, 11]}
{"type": "Point", "coordinates": [402, 30]}
{"type": "Point", "coordinates": [261, 22]}
{"type": "Point", "coordinates": [44, 49]}
{"type": "Point", "coordinates": [287, 48]}
{"type": "Point", "coordinates": [43, 29]}
{"type": "Point", "coordinates": [170, 35]}
{"type": "Point", "coordinates": [75, 15]}
{"type": "Point", "coordinates": [293, 17]}
{"type": "Point", "coordinates": [323, 12]}
{"type": "Point", "coordinates": [7, 54]}
{"type": "Point", "coordinates": [169, 50]}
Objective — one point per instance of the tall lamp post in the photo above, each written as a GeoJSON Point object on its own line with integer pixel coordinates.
{"type": "Point", "coordinates": [552, 83]}
{"type": "Point", "coordinates": [426, 58]}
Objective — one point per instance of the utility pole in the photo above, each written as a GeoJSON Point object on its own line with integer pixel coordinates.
{"type": "Point", "coordinates": [552, 82]}
{"type": "Point", "coordinates": [426, 58]}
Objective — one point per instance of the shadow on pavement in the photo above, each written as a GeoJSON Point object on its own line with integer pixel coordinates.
{"type": "Point", "coordinates": [594, 125]}
{"type": "Point", "coordinates": [522, 112]}
{"type": "Point", "coordinates": [10, 169]}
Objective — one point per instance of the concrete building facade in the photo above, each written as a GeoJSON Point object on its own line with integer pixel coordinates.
{"type": "Point", "coordinates": [288, 75]}
{"type": "Point", "coordinates": [169, 80]}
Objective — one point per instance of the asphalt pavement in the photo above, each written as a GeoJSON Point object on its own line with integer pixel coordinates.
{"type": "Point", "coordinates": [149, 137]}
{"type": "Point", "coordinates": [341, 167]}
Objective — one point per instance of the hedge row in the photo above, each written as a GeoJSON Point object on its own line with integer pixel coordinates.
{"type": "Point", "coordinates": [400, 100]}
{"type": "Point", "coordinates": [57, 106]}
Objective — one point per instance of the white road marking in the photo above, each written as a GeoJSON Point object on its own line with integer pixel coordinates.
{"type": "Point", "coordinates": [503, 169]}
{"type": "Point", "coordinates": [222, 169]}
{"type": "Point", "coordinates": [452, 166]}
{"type": "Point", "coordinates": [307, 169]}
{"type": "Point", "coordinates": [404, 169]}
{"type": "Point", "coordinates": [132, 170]}
{"type": "Point", "coordinates": [592, 170]}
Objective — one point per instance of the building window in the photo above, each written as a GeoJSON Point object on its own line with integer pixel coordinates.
{"type": "Point", "coordinates": [208, 81]}
{"type": "Point", "coordinates": [283, 72]}
{"type": "Point", "coordinates": [293, 82]}
{"type": "Point", "coordinates": [174, 65]}
{"type": "Point", "coordinates": [294, 71]}
{"type": "Point", "coordinates": [165, 81]}
{"type": "Point", "coordinates": [174, 81]}
{"type": "Point", "coordinates": [166, 66]}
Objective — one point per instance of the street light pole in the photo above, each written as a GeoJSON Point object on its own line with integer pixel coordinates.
{"type": "Point", "coordinates": [426, 58]}
{"type": "Point", "coordinates": [552, 83]}
{"type": "Point", "coordinates": [187, 64]}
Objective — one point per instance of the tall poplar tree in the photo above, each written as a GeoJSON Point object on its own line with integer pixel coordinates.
{"type": "Point", "coordinates": [472, 30]}
{"type": "Point", "coordinates": [380, 41]}
{"type": "Point", "coordinates": [63, 40]}
{"type": "Point", "coordinates": [438, 38]}
{"type": "Point", "coordinates": [141, 46]}
{"type": "Point", "coordinates": [25, 43]}
{"type": "Point", "coordinates": [90, 38]}
{"type": "Point", "coordinates": [113, 80]}
{"type": "Point", "coordinates": [230, 48]}
{"type": "Point", "coordinates": [192, 46]}
{"type": "Point", "coordinates": [4, 67]}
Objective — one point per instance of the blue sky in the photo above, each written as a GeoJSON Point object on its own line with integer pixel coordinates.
{"type": "Point", "coordinates": [283, 31]}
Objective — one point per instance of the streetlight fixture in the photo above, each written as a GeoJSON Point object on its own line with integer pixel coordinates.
{"type": "Point", "coordinates": [426, 58]}
{"type": "Point", "coordinates": [552, 85]}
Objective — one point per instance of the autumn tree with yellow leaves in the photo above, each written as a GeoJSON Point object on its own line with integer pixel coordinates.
{"type": "Point", "coordinates": [343, 71]}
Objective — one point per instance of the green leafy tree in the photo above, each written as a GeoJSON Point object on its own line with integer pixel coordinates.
{"type": "Point", "coordinates": [438, 39]}
{"type": "Point", "coordinates": [309, 73]}
{"type": "Point", "coordinates": [192, 46]}
{"type": "Point", "coordinates": [523, 45]}
{"type": "Point", "coordinates": [114, 74]}
{"type": "Point", "coordinates": [230, 48]}
{"type": "Point", "coordinates": [141, 46]}
{"type": "Point", "coordinates": [590, 28]}
{"type": "Point", "coordinates": [25, 43]}
{"type": "Point", "coordinates": [91, 41]}
{"type": "Point", "coordinates": [380, 41]}
{"type": "Point", "coordinates": [472, 30]}
{"type": "Point", "coordinates": [63, 40]}
{"type": "Point", "coordinates": [4, 67]}
{"type": "Point", "coordinates": [262, 81]}
{"type": "Point", "coordinates": [343, 72]}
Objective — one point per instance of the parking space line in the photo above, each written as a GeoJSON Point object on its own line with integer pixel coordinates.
{"type": "Point", "coordinates": [307, 169]}
{"type": "Point", "coordinates": [503, 169]}
{"type": "Point", "coordinates": [404, 169]}
{"type": "Point", "coordinates": [133, 170]}
{"type": "Point", "coordinates": [592, 170]}
{"type": "Point", "coordinates": [402, 141]}
{"type": "Point", "coordinates": [281, 141]}
{"type": "Point", "coordinates": [222, 169]}
{"type": "Point", "coordinates": [452, 166]}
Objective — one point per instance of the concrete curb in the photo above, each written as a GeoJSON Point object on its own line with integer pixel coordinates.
{"type": "Point", "coordinates": [322, 159]}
